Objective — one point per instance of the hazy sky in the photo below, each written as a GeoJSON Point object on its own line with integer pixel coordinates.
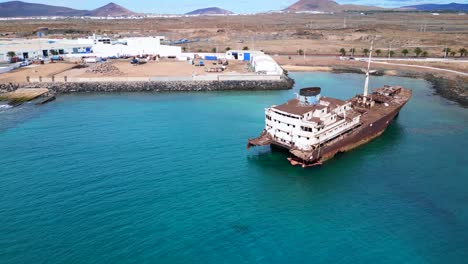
{"type": "Point", "coordinates": [238, 6]}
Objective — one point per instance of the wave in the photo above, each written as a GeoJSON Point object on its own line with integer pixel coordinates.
{"type": "Point", "coordinates": [5, 106]}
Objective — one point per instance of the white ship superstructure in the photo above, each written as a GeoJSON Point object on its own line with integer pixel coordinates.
{"type": "Point", "coordinates": [309, 120]}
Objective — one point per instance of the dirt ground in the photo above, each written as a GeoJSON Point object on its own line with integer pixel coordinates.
{"type": "Point", "coordinates": [164, 68]}
{"type": "Point", "coordinates": [325, 63]}
{"type": "Point", "coordinates": [34, 71]}
{"type": "Point", "coordinates": [157, 69]}
{"type": "Point", "coordinates": [277, 33]}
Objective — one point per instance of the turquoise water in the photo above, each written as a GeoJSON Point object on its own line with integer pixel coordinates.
{"type": "Point", "coordinates": [166, 178]}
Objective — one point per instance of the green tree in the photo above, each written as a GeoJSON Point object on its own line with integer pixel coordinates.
{"type": "Point", "coordinates": [199, 50]}
{"type": "Point", "coordinates": [245, 48]}
{"type": "Point", "coordinates": [462, 52]}
{"type": "Point", "coordinates": [365, 51]}
{"type": "Point", "coordinates": [404, 52]}
{"type": "Point", "coordinates": [184, 49]}
{"type": "Point", "coordinates": [424, 53]}
{"type": "Point", "coordinates": [417, 51]}
{"type": "Point", "coordinates": [343, 52]}
{"type": "Point", "coordinates": [352, 50]}
{"type": "Point", "coordinates": [453, 53]}
{"type": "Point", "coordinates": [228, 48]}
{"type": "Point", "coordinates": [300, 52]}
{"type": "Point", "coordinates": [391, 53]}
{"type": "Point", "coordinates": [446, 51]}
{"type": "Point", "coordinates": [378, 52]}
{"type": "Point", "coordinates": [11, 54]}
{"type": "Point", "coordinates": [213, 50]}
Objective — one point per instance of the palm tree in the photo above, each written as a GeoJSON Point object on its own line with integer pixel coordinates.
{"type": "Point", "coordinates": [300, 52]}
{"type": "Point", "coordinates": [378, 52]}
{"type": "Point", "coordinates": [184, 49]}
{"type": "Point", "coordinates": [404, 52]}
{"type": "Point", "coordinates": [245, 48]}
{"type": "Point", "coordinates": [418, 51]}
{"type": "Point", "coordinates": [343, 52]}
{"type": "Point", "coordinates": [453, 53]}
{"type": "Point", "coordinates": [11, 54]}
{"type": "Point", "coordinates": [424, 53]}
{"type": "Point", "coordinates": [213, 50]}
{"type": "Point", "coordinates": [365, 51]}
{"type": "Point", "coordinates": [228, 48]}
{"type": "Point", "coordinates": [446, 51]}
{"type": "Point", "coordinates": [391, 53]}
{"type": "Point", "coordinates": [352, 50]}
{"type": "Point", "coordinates": [462, 52]}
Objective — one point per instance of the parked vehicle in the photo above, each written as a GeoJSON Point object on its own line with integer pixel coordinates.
{"type": "Point", "coordinates": [25, 63]}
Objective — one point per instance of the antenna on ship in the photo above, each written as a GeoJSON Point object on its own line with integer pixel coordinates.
{"type": "Point", "coordinates": [366, 85]}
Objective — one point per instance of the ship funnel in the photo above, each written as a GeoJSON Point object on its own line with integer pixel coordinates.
{"type": "Point", "coordinates": [310, 95]}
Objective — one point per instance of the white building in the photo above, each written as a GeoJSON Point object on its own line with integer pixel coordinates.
{"type": "Point", "coordinates": [39, 48]}
{"type": "Point", "coordinates": [266, 64]}
{"type": "Point", "coordinates": [92, 46]}
{"type": "Point", "coordinates": [136, 46]}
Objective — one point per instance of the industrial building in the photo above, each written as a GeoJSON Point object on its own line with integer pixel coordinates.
{"type": "Point", "coordinates": [92, 46]}
{"type": "Point", "coordinates": [259, 61]}
{"type": "Point", "coordinates": [40, 48]}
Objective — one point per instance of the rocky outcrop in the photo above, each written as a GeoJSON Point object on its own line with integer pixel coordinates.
{"type": "Point", "coordinates": [452, 89]}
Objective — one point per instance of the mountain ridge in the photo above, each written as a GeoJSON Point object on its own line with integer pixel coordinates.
{"type": "Point", "coordinates": [326, 6]}
{"type": "Point", "coordinates": [439, 7]}
{"type": "Point", "coordinates": [210, 11]}
{"type": "Point", "coordinates": [26, 9]}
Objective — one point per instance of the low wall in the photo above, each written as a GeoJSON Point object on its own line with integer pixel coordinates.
{"type": "Point", "coordinates": [158, 86]}
{"type": "Point", "coordinates": [210, 77]}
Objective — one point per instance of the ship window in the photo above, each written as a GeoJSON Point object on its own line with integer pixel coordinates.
{"type": "Point", "coordinates": [308, 138]}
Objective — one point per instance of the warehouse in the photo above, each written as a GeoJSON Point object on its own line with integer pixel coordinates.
{"type": "Point", "coordinates": [136, 46]}
{"type": "Point", "coordinates": [98, 46]}
{"type": "Point", "coordinates": [39, 48]}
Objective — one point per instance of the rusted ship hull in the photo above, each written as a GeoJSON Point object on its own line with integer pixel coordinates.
{"type": "Point", "coordinates": [373, 124]}
{"type": "Point", "coordinates": [354, 139]}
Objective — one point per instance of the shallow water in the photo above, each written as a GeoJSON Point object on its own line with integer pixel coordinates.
{"type": "Point", "coordinates": [166, 178]}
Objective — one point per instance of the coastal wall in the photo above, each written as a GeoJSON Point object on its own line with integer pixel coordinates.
{"type": "Point", "coordinates": [211, 77]}
{"type": "Point", "coordinates": [152, 86]}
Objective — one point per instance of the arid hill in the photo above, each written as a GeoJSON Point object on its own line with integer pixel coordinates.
{"type": "Point", "coordinates": [112, 9]}
{"type": "Point", "coordinates": [210, 11]}
{"type": "Point", "coordinates": [23, 9]}
{"type": "Point", "coordinates": [326, 6]}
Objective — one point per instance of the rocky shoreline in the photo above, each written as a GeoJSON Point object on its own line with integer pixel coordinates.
{"type": "Point", "coordinates": [452, 88]}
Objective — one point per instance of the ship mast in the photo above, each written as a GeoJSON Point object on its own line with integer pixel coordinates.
{"type": "Point", "coordinates": [366, 85]}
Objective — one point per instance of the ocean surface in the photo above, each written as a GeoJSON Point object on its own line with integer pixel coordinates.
{"type": "Point", "coordinates": [166, 178]}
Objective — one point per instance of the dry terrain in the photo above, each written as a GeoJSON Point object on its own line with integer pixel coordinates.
{"type": "Point", "coordinates": [277, 33]}
{"type": "Point", "coordinates": [164, 68]}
